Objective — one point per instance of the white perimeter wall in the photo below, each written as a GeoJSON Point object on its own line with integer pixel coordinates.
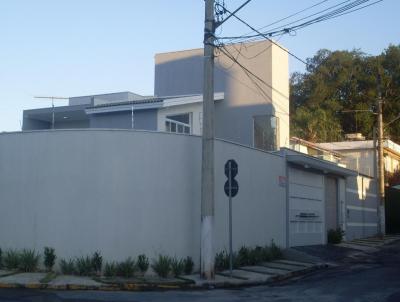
{"type": "Point", "coordinates": [128, 192]}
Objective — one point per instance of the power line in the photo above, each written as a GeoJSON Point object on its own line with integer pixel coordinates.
{"type": "Point", "coordinates": [288, 17]}
{"type": "Point", "coordinates": [331, 14]}
{"type": "Point", "coordinates": [315, 14]}
{"type": "Point", "coordinates": [252, 78]}
{"type": "Point", "coordinates": [251, 27]}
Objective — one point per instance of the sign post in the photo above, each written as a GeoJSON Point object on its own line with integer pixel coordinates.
{"type": "Point", "coordinates": [231, 188]}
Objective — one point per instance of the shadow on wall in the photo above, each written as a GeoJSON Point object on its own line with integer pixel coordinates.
{"type": "Point", "coordinates": [244, 106]}
{"type": "Point", "coordinates": [183, 76]}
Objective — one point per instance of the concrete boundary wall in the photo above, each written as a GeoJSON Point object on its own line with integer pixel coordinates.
{"type": "Point", "coordinates": [125, 192]}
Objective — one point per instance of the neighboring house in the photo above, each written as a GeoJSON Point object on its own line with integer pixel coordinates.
{"type": "Point", "coordinates": [315, 150]}
{"type": "Point", "coordinates": [359, 155]}
{"type": "Point", "coordinates": [249, 114]}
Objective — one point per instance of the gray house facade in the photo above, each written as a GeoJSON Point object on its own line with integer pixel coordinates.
{"type": "Point", "coordinates": [249, 109]}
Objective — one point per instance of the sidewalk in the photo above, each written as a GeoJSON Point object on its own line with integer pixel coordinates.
{"type": "Point", "coordinates": [298, 261]}
{"type": "Point", "coordinates": [264, 273]}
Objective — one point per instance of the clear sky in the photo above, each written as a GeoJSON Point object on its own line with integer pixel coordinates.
{"type": "Point", "coordinates": [81, 47]}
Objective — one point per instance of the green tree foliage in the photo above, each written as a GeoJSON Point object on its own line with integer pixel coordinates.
{"type": "Point", "coordinates": [344, 80]}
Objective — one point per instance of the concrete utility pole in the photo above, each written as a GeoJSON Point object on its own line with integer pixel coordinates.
{"type": "Point", "coordinates": [207, 164]}
{"type": "Point", "coordinates": [381, 170]}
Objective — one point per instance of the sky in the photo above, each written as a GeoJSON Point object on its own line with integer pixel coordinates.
{"type": "Point", "coordinates": [80, 47]}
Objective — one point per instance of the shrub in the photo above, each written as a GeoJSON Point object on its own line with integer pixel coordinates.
{"type": "Point", "coordinates": [243, 256]}
{"type": "Point", "coordinates": [143, 263]}
{"type": "Point", "coordinates": [28, 260]}
{"type": "Point", "coordinates": [67, 267]}
{"type": "Point", "coordinates": [257, 255]}
{"type": "Point", "coordinates": [49, 258]}
{"type": "Point", "coordinates": [275, 251]}
{"type": "Point", "coordinates": [162, 266]}
{"type": "Point", "coordinates": [11, 259]}
{"type": "Point", "coordinates": [265, 254]}
{"type": "Point", "coordinates": [177, 266]}
{"type": "Point", "coordinates": [97, 262]}
{"type": "Point", "coordinates": [126, 268]}
{"type": "Point", "coordinates": [221, 261]}
{"type": "Point", "coordinates": [1, 259]}
{"type": "Point", "coordinates": [188, 265]}
{"type": "Point", "coordinates": [335, 236]}
{"type": "Point", "coordinates": [84, 266]}
{"type": "Point", "coordinates": [110, 269]}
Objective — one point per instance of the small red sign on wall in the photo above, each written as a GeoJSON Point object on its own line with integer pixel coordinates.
{"type": "Point", "coordinates": [282, 181]}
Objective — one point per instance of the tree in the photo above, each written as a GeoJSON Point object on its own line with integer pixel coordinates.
{"type": "Point", "coordinates": [344, 80]}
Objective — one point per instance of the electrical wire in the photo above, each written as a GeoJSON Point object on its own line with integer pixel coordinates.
{"type": "Point", "coordinates": [288, 17]}
{"type": "Point", "coordinates": [251, 27]}
{"type": "Point", "coordinates": [331, 14]}
{"type": "Point", "coordinates": [252, 77]}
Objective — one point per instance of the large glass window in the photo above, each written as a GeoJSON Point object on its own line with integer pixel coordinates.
{"type": "Point", "coordinates": [265, 132]}
{"type": "Point", "coordinates": [179, 123]}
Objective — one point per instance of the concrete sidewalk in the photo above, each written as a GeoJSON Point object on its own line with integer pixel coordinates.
{"type": "Point", "coordinates": [371, 244]}
{"type": "Point", "coordinates": [297, 261]}
{"type": "Point", "coordinates": [249, 275]}
{"type": "Point", "coordinates": [264, 273]}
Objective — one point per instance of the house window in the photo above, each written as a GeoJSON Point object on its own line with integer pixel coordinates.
{"type": "Point", "coordinates": [179, 123]}
{"type": "Point", "coordinates": [265, 130]}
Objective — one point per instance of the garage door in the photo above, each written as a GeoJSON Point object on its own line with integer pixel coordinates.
{"type": "Point", "coordinates": [306, 208]}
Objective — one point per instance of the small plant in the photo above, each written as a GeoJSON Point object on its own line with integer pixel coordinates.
{"type": "Point", "coordinates": [1, 259]}
{"type": "Point", "coordinates": [84, 266]}
{"type": "Point", "coordinates": [256, 255]}
{"type": "Point", "coordinates": [126, 268]}
{"type": "Point", "coordinates": [335, 236]}
{"type": "Point", "coordinates": [143, 263]}
{"type": "Point", "coordinates": [177, 266]}
{"type": "Point", "coordinates": [28, 260]}
{"type": "Point", "coordinates": [49, 258]}
{"type": "Point", "coordinates": [97, 262]}
{"type": "Point", "coordinates": [244, 256]}
{"type": "Point", "coordinates": [188, 264]}
{"type": "Point", "coordinates": [110, 269]}
{"type": "Point", "coordinates": [275, 251]}
{"type": "Point", "coordinates": [221, 261]}
{"type": "Point", "coordinates": [67, 267]}
{"type": "Point", "coordinates": [11, 259]}
{"type": "Point", "coordinates": [162, 266]}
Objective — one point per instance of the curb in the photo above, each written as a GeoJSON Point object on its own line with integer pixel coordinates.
{"type": "Point", "coordinates": [189, 285]}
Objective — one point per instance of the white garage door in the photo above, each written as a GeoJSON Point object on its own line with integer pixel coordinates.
{"type": "Point", "coordinates": [306, 208]}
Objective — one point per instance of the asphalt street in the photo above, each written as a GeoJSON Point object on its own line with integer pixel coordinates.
{"type": "Point", "coordinates": [372, 278]}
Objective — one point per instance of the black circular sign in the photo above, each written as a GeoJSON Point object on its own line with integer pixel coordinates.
{"type": "Point", "coordinates": [234, 168]}
{"type": "Point", "coordinates": [234, 188]}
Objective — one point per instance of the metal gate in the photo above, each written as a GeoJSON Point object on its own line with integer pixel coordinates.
{"type": "Point", "coordinates": [306, 208]}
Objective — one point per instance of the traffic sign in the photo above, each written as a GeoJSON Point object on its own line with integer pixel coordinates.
{"type": "Point", "coordinates": [233, 167]}
{"type": "Point", "coordinates": [234, 188]}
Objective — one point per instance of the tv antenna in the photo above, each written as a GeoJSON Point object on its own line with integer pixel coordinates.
{"type": "Point", "coordinates": [52, 105]}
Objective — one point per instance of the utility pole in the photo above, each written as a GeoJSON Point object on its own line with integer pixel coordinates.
{"type": "Point", "coordinates": [381, 171]}
{"type": "Point", "coordinates": [207, 164]}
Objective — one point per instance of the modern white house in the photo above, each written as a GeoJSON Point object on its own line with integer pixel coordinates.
{"type": "Point", "coordinates": [121, 173]}
{"type": "Point", "coordinates": [249, 114]}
